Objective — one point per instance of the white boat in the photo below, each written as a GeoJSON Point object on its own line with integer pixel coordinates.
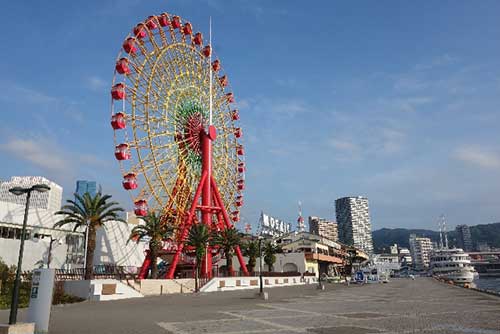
{"type": "Point", "coordinates": [452, 265]}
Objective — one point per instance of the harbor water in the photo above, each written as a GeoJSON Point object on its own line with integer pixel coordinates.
{"type": "Point", "coordinates": [488, 283]}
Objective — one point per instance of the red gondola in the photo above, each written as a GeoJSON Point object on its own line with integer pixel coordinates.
{"type": "Point", "coordinates": [241, 167]}
{"type": "Point", "coordinates": [130, 181]}
{"type": "Point", "coordinates": [216, 65]}
{"type": "Point", "coordinates": [238, 132]}
{"type": "Point", "coordinates": [151, 23]}
{"type": "Point", "coordinates": [241, 184]}
{"type": "Point", "coordinates": [163, 19]}
{"type": "Point", "coordinates": [240, 150]}
{"type": "Point", "coordinates": [118, 121]}
{"type": "Point", "coordinates": [122, 152]}
{"type": "Point", "coordinates": [235, 115]}
{"type": "Point", "coordinates": [187, 29]}
{"type": "Point", "coordinates": [230, 97]}
{"type": "Point", "coordinates": [129, 45]}
{"type": "Point", "coordinates": [118, 91]}
{"type": "Point", "coordinates": [140, 30]}
{"type": "Point", "coordinates": [235, 216]}
{"type": "Point", "coordinates": [207, 50]}
{"type": "Point", "coordinates": [239, 201]}
{"type": "Point", "coordinates": [198, 38]}
{"type": "Point", "coordinates": [122, 66]}
{"type": "Point", "coordinates": [223, 80]}
{"type": "Point", "coordinates": [176, 22]}
{"type": "Point", "coordinates": [141, 208]}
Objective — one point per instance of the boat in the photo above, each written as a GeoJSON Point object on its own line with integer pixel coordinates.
{"type": "Point", "coordinates": [452, 265]}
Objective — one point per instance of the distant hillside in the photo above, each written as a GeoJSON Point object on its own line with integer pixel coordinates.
{"type": "Point", "coordinates": [386, 237]}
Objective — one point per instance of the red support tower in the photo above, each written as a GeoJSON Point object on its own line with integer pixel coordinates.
{"type": "Point", "coordinates": [211, 204]}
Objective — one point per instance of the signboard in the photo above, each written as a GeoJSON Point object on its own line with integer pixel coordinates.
{"type": "Point", "coordinates": [273, 227]}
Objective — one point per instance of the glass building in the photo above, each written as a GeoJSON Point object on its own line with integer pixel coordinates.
{"type": "Point", "coordinates": [83, 186]}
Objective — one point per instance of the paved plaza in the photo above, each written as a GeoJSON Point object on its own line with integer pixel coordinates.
{"type": "Point", "coordinates": [401, 306]}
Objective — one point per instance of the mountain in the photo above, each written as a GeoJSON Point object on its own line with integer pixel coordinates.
{"type": "Point", "coordinates": [385, 237]}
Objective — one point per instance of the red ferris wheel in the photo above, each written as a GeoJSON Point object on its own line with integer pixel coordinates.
{"type": "Point", "coordinates": [175, 129]}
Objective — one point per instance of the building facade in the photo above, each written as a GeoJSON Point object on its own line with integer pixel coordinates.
{"type": "Point", "coordinates": [50, 200]}
{"type": "Point", "coordinates": [63, 246]}
{"type": "Point", "coordinates": [354, 225]}
{"type": "Point", "coordinates": [83, 186]}
{"type": "Point", "coordinates": [464, 237]}
{"type": "Point", "coordinates": [324, 228]}
{"type": "Point", "coordinates": [420, 249]}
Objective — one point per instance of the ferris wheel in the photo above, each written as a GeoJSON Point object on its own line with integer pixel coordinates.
{"type": "Point", "coordinates": [164, 87]}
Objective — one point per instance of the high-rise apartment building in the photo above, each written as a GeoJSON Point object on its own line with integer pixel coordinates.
{"type": "Point", "coordinates": [420, 249]}
{"type": "Point", "coordinates": [50, 200]}
{"type": "Point", "coordinates": [324, 228]}
{"type": "Point", "coordinates": [83, 186]}
{"type": "Point", "coordinates": [354, 225]}
{"type": "Point", "coordinates": [464, 237]}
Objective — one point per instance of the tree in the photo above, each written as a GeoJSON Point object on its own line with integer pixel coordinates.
{"type": "Point", "coordinates": [155, 230]}
{"type": "Point", "coordinates": [90, 212]}
{"type": "Point", "coordinates": [251, 250]}
{"type": "Point", "coordinates": [227, 239]}
{"type": "Point", "coordinates": [270, 249]}
{"type": "Point", "coordinates": [198, 238]}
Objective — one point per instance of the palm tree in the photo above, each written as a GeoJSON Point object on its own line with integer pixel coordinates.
{"type": "Point", "coordinates": [227, 239]}
{"type": "Point", "coordinates": [251, 250]}
{"type": "Point", "coordinates": [90, 212]}
{"type": "Point", "coordinates": [155, 230]}
{"type": "Point", "coordinates": [198, 238]}
{"type": "Point", "coordinates": [269, 250]}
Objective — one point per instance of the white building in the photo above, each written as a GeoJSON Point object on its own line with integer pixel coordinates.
{"type": "Point", "coordinates": [354, 225]}
{"type": "Point", "coordinates": [420, 249]}
{"type": "Point", "coordinates": [65, 245]}
{"type": "Point", "coordinates": [50, 200]}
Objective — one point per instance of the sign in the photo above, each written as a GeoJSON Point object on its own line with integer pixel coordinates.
{"type": "Point", "coordinates": [42, 287]}
{"type": "Point", "coordinates": [273, 227]}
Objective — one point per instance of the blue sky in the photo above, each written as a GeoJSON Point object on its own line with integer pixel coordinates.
{"type": "Point", "coordinates": [396, 101]}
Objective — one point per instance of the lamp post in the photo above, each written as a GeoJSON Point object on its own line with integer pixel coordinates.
{"type": "Point", "coordinates": [18, 191]}
{"type": "Point", "coordinates": [260, 266]}
{"type": "Point", "coordinates": [49, 257]}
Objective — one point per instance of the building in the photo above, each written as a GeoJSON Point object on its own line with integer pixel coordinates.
{"type": "Point", "coordinates": [83, 187]}
{"type": "Point", "coordinates": [324, 228]}
{"type": "Point", "coordinates": [420, 249]}
{"type": "Point", "coordinates": [464, 238]}
{"type": "Point", "coordinates": [50, 200]}
{"type": "Point", "coordinates": [405, 257]}
{"type": "Point", "coordinates": [354, 225]}
{"type": "Point", "coordinates": [306, 252]}
{"type": "Point", "coordinates": [66, 246]}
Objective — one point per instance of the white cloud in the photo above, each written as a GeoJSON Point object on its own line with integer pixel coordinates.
{"type": "Point", "coordinates": [38, 152]}
{"type": "Point", "coordinates": [478, 156]}
{"type": "Point", "coordinates": [96, 84]}
{"type": "Point", "coordinates": [343, 145]}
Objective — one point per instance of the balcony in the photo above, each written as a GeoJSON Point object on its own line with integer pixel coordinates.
{"type": "Point", "coordinates": [323, 257]}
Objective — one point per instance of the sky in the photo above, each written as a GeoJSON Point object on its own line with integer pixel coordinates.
{"type": "Point", "coordinates": [396, 101]}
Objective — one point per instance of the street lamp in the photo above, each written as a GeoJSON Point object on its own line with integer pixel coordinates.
{"type": "Point", "coordinates": [18, 191]}
{"type": "Point", "coordinates": [260, 266]}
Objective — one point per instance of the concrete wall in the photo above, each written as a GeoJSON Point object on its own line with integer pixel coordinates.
{"type": "Point", "coordinates": [36, 253]}
{"type": "Point", "coordinates": [243, 283]}
{"type": "Point", "coordinates": [93, 289]}
{"type": "Point", "coordinates": [112, 246]}
{"type": "Point", "coordinates": [282, 260]}
{"type": "Point", "coordinates": [163, 286]}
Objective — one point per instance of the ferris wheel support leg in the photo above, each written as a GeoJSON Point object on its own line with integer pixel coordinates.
{"type": "Point", "coordinates": [219, 202]}
{"type": "Point", "coordinates": [186, 228]}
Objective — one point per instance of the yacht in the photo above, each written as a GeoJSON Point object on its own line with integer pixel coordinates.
{"type": "Point", "coordinates": [452, 265]}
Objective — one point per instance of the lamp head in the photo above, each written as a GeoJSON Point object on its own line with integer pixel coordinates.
{"type": "Point", "coordinates": [41, 188]}
{"type": "Point", "coordinates": [18, 191]}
